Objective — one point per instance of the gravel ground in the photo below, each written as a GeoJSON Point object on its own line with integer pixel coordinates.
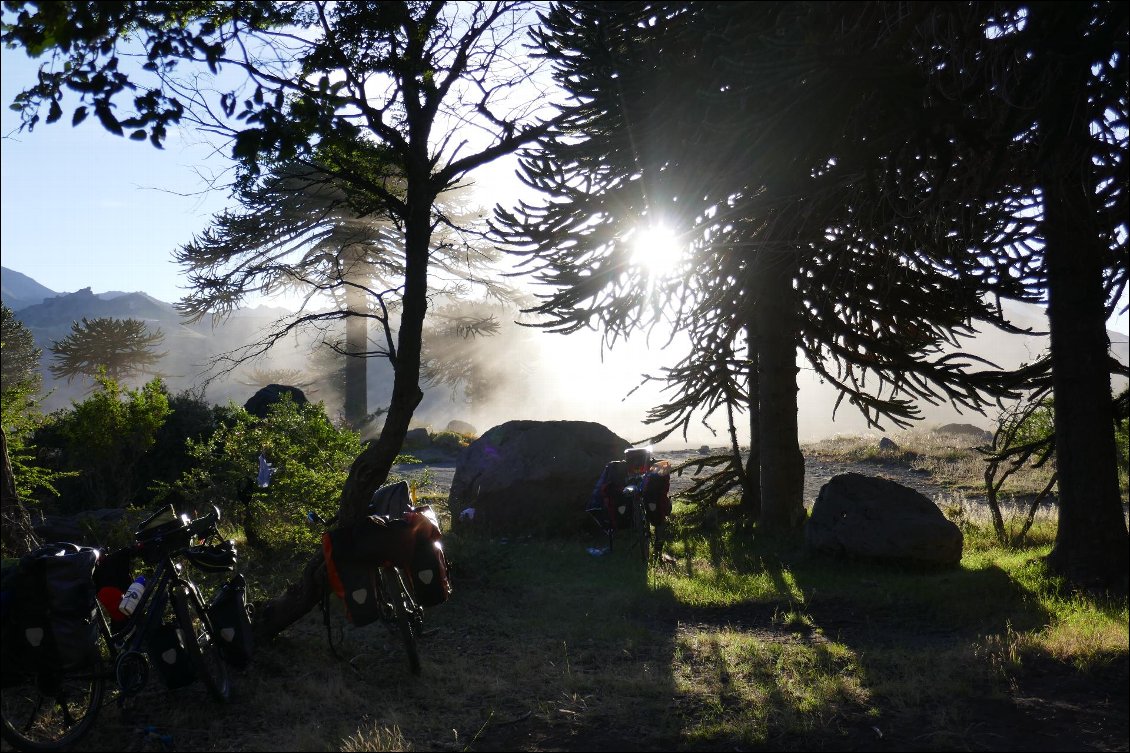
{"type": "Point", "coordinates": [817, 473]}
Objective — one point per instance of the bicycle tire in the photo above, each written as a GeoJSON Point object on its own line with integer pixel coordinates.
{"type": "Point", "coordinates": [50, 711]}
{"type": "Point", "coordinates": [202, 650]}
{"type": "Point", "coordinates": [404, 612]}
{"type": "Point", "coordinates": [641, 529]}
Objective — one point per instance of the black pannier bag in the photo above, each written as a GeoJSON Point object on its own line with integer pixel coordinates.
{"type": "Point", "coordinates": [608, 496]}
{"type": "Point", "coordinates": [430, 584]}
{"type": "Point", "coordinates": [656, 498]}
{"type": "Point", "coordinates": [165, 646]}
{"type": "Point", "coordinates": [50, 617]}
{"type": "Point", "coordinates": [231, 622]}
{"type": "Point", "coordinates": [354, 555]}
{"type": "Point", "coordinates": [391, 501]}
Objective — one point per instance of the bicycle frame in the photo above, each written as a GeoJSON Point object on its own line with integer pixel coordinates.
{"type": "Point", "coordinates": [129, 638]}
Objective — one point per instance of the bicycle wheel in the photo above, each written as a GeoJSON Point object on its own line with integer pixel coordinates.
{"type": "Point", "coordinates": [405, 613]}
{"type": "Point", "coordinates": [47, 711]}
{"type": "Point", "coordinates": [196, 631]}
{"type": "Point", "coordinates": [641, 529]}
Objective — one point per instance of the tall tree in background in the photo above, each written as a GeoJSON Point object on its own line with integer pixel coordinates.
{"type": "Point", "coordinates": [123, 348]}
{"type": "Point", "coordinates": [850, 243]}
{"type": "Point", "coordinates": [297, 232]}
{"type": "Point", "coordinates": [404, 77]}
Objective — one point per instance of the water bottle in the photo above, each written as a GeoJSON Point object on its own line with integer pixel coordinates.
{"type": "Point", "coordinates": [132, 596]}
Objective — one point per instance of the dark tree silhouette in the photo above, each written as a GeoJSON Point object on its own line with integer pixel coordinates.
{"type": "Point", "coordinates": [397, 76]}
{"type": "Point", "coordinates": [124, 348]}
{"type": "Point", "coordinates": [850, 242]}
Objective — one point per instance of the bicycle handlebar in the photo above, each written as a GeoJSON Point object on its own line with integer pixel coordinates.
{"type": "Point", "coordinates": [205, 525]}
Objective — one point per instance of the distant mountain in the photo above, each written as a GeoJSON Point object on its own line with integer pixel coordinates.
{"type": "Point", "coordinates": [69, 307]}
{"type": "Point", "coordinates": [19, 291]}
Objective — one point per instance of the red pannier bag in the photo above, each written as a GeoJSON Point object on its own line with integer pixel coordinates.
{"type": "Point", "coordinates": [354, 554]}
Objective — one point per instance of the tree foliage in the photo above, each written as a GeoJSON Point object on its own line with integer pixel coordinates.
{"type": "Point", "coordinates": [398, 77]}
{"type": "Point", "coordinates": [105, 441]}
{"type": "Point", "coordinates": [311, 460]}
{"type": "Point", "coordinates": [21, 357]}
{"type": "Point", "coordinates": [123, 348]}
{"type": "Point", "coordinates": [26, 478]}
{"type": "Point", "coordinates": [851, 243]}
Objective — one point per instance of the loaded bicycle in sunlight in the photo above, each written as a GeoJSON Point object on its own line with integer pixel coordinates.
{"type": "Point", "coordinates": [631, 497]}
{"type": "Point", "coordinates": [74, 626]}
{"type": "Point", "coordinates": [386, 567]}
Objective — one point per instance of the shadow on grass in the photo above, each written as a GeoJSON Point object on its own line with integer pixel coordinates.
{"type": "Point", "coordinates": [738, 645]}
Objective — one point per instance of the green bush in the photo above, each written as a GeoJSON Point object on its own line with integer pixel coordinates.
{"type": "Point", "coordinates": [21, 418]}
{"type": "Point", "coordinates": [105, 441]}
{"type": "Point", "coordinates": [450, 441]}
{"type": "Point", "coordinates": [311, 460]}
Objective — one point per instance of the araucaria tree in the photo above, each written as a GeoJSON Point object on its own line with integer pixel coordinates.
{"type": "Point", "coordinates": [433, 86]}
{"type": "Point", "coordinates": [123, 348]}
{"type": "Point", "coordinates": [848, 242]}
{"type": "Point", "coordinates": [298, 230]}
{"type": "Point", "coordinates": [862, 181]}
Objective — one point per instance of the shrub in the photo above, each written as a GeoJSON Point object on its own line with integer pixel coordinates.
{"type": "Point", "coordinates": [450, 441]}
{"type": "Point", "coordinates": [311, 460]}
{"type": "Point", "coordinates": [104, 441]}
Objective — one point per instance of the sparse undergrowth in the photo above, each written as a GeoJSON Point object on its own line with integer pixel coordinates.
{"type": "Point", "coordinates": [737, 644]}
{"type": "Point", "coordinates": [951, 460]}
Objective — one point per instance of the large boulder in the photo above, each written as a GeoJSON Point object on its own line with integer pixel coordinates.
{"type": "Point", "coordinates": [461, 427]}
{"type": "Point", "coordinates": [271, 394]}
{"type": "Point", "coordinates": [532, 477]}
{"type": "Point", "coordinates": [879, 519]}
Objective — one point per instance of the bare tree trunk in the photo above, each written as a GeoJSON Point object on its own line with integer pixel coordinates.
{"type": "Point", "coordinates": [1091, 547]}
{"type": "Point", "coordinates": [751, 481]}
{"type": "Point", "coordinates": [356, 340]}
{"type": "Point", "coordinates": [18, 535]}
{"type": "Point", "coordinates": [782, 464]}
{"type": "Point", "coordinates": [372, 466]}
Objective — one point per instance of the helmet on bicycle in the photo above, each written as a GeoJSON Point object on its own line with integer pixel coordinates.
{"type": "Point", "coordinates": [639, 460]}
{"type": "Point", "coordinates": [215, 558]}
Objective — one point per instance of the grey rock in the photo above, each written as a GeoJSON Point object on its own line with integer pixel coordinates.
{"type": "Point", "coordinates": [532, 477]}
{"type": "Point", "coordinates": [966, 433]}
{"type": "Point", "coordinates": [878, 519]}
{"type": "Point", "coordinates": [461, 427]}
{"type": "Point", "coordinates": [417, 439]}
{"type": "Point", "coordinates": [262, 400]}
{"type": "Point", "coordinates": [886, 444]}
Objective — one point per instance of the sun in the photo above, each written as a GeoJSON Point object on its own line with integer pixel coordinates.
{"type": "Point", "coordinates": [656, 248]}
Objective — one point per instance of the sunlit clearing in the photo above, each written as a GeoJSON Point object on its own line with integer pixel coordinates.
{"type": "Point", "coordinates": [657, 249]}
